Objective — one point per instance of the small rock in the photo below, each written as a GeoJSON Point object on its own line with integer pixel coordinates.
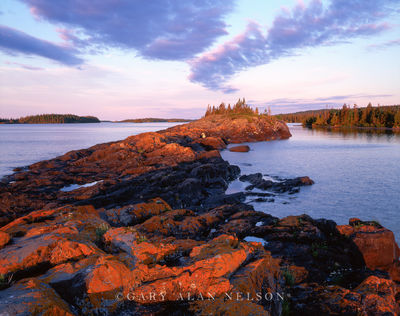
{"type": "Point", "coordinates": [240, 149]}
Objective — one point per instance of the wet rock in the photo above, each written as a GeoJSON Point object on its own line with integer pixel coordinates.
{"type": "Point", "coordinates": [278, 185]}
{"type": "Point", "coordinates": [252, 178]}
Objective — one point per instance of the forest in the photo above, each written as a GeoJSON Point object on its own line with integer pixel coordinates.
{"type": "Point", "coordinates": [375, 117]}
{"type": "Point", "coordinates": [51, 119]}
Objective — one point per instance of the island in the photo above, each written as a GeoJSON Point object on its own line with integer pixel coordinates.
{"type": "Point", "coordinates": [154, 120]}
{"type": "Point", "coordinates": [144, 226]}
{"type": "Point", "coordinates": [386, 117]}
{"type": "Point", "coordinates": [51, 119]}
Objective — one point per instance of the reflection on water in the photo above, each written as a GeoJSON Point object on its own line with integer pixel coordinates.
{"type": "Point", "coordinates": [356, 174]}
{"type": "Point", "coordinates": [357, 132]}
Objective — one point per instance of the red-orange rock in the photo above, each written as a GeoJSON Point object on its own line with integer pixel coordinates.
{"type": "Point", "coordinates": [212, 264]}
{"type": "Point", "coordinates": [259, 274]}
{"type": "Point", "coordinates": [238, 129]}
{"type": "Point", "coordinates": [170, 154]}
{"type": "Point", "coordinates": [374, 296]}
{"type": "Point", "coordinates": [299, 274]}
{"type": "Point", "coordinates": [212, 142]}
{"type": "Point", "coordinates": [66, 250]}
{"type": "Point", "coordinates": [137, 245]}
{"type": "Point", "coordinates": [378, 296]}
{"type": "Point", "coordinates": [107, 275]}
{"type": "Point", "coordinates": [51, 249]}
{"type": "Point", "coordinates": [4, 239]}
{"type": "Point", "coordinates": [376, 244]}
{"type": "Point", "coordinates": [306, 180]}
{"type": "Point", "coordinates": [137, 213]}
{"type": "Point", "coordinates": [240, 149]}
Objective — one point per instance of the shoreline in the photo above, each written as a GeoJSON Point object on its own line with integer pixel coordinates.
{"type": "Point", "coordinates": [160, 207]}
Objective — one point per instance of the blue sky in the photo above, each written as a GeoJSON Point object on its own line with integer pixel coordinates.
{"type": "Point", "coordinates": [120, 59]}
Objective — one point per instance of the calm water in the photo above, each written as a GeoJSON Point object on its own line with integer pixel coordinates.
{"type": "Point", "coordinates": [24, 144]}
{"type": "Point", "coordinates": [355, 174]}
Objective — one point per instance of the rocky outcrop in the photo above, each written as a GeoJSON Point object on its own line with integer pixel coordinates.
{"type": "Point", "coordinates": [153, 233]}
{"type": "Point", "coordinates": [110, 171]}
{"type": "Point", "coordinates": [235, 129]}
{"type": "Point", "coordinates": [376, 244]}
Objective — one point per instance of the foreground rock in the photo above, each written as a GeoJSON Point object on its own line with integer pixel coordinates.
{"type": "Point", "coordinates": [377, 245]}
{"type": "Point", "coordinates": [75, 262]}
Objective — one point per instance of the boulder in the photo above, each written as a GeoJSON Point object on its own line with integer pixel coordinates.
{"type": "Point", "coordinates": [240, 149]}
{"type": "Point", "coordinates": [376, 244]}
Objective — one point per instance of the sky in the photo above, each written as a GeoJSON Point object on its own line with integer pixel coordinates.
{"type": "Point", "coordinates": [120, 59]}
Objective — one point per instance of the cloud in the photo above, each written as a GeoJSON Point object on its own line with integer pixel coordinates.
{"type": "Point", "coordinates": [13, 41]}
{"type": "Point", "coordinates": [352, 96]}
{"type": "Point", "coordinates": [288, 105]}
{"type": "Point", "coordinates": [156, 29]}
{"type": "Point", "coordinates": [28, 67]}
{"type": "Point", "coordinates": [384, 45]}
{"type": "Point", "coordinates": [304, 26]}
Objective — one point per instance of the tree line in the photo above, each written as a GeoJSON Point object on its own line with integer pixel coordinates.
{"type": "Point", "coordinates": [51, 119]}
{"type": "Point", "coordinates": [377, 117]}
{"type": "Point", "coordinates": [240, 108]}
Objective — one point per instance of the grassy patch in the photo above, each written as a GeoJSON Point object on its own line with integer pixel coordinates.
{"type": "Point", "coordinates": [316, 247]}
{"type": "Point", "coordinates": [100, 231]}
{"type": "Point", "coordinates": [285, 308]}
{"type": "Point", "coordinates": [141, 238]}
{"type": "Point", "coordinates": [289, 277]}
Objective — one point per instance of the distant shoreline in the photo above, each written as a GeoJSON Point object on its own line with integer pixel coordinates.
{"type": "Point", "coordinates": [74, 119]}
{"type": "Point", "coordinates": [51, 119]}
{"type": "Point", "coordinates": [154, 120]}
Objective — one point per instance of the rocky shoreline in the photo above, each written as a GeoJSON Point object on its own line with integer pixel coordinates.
{"type": "Point", "coordinates": [143, 226]}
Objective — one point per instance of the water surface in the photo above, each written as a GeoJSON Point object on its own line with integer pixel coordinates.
{"type": "Point", "coordinates": [24, 144]}
{"type": "Point", "coordinates": [356, 174]}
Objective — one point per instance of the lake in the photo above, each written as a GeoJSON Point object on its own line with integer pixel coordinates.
{"type": "Point", "coordinates": [356, 174]}
{"type": "Point", "coordinates": [24, 144]}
